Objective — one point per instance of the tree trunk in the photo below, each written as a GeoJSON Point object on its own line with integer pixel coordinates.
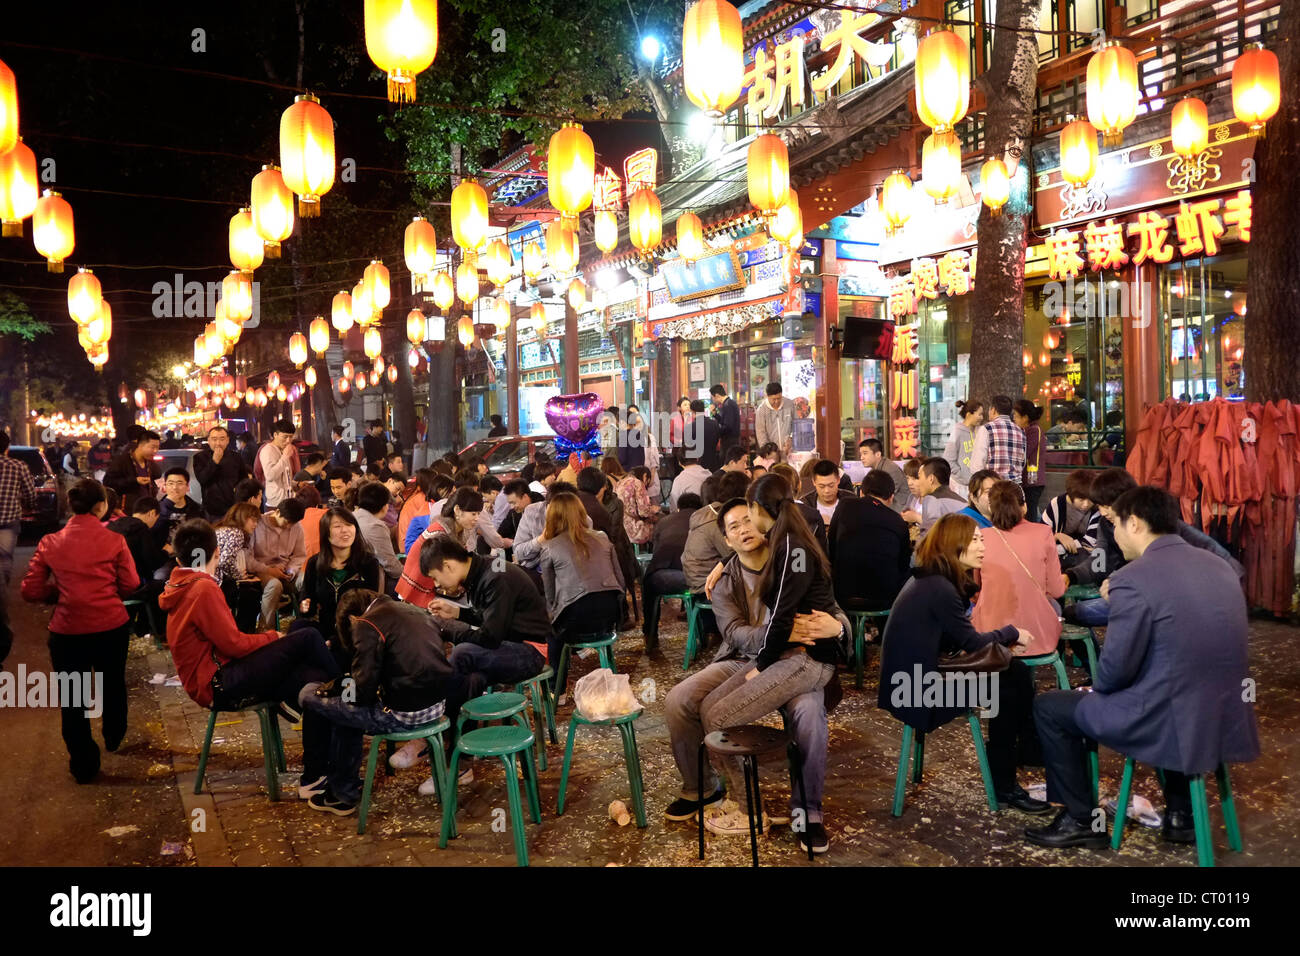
{"type": "Point", "coordinates": [20, 406]}
{"type": "Point", "coordinates": [1273, 334]}
{"type": "Point", "coordinates": [444, 392]}
{"type": "Point", "coordinates": [997, 306]}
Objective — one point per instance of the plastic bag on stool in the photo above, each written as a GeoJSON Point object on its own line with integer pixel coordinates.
{"type": "Point", "coordinates": [602, 694]}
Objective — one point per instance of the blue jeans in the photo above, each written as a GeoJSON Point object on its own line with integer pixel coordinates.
{"type": "Point", "coordinates": [656, 584]}
{"type": "Point", "coordinates": [508, 663]}
{"type": "Point", "coordinates": [1094, 612]}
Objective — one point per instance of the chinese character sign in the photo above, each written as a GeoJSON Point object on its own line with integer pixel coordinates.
{"type": "Point", "coordinates": [904, 379]}
{"type": "Point", "coordinates": [846, 43]}
{"type": "Point", "coordinates": [609, 190]}
{"type": "Point", "coordinates": [641, 170]}
{"type": "Point", "coordinates": [772, 79]}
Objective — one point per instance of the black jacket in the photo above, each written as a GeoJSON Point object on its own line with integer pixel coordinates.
{"type": "Point", "coordinates": [170, 516]}
{"type": "Point", "coordinates": [341, 455]}
{"type": "Point", "coordinates": [1106, 557]}
{"type": "Point", "coordinates": [598, 513]}
{"type": "Point", "coordinates": [928, 619]}
{"type": "Point", "coordinates": [870, 554]}
{"type": "Point", "coordinates": [140, 541]}
{"type": "Point", "coordinates": [505, 605]}
{"type": "Point", "coordinates": [815, 523]}
{"type": "Point", "coordinates": [728, 417]}
{"type": "Point", "coordinates": [376, 449]}
{"type": "Point", "coordinates": [670, 542]}
{"type": "Point", "coordinates": [798, 587]}
{"type": "Point", "coordinates": [323, 594]}
{"type": "Point", "coordinates": [398, 657]}
{"type": "Point", "coordinates": [120, 475]}
{"type": "Point", "coordinates": [218, 479]}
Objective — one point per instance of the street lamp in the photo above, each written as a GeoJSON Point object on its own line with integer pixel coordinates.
{"type": "Point", "coordinates": [651, 47]}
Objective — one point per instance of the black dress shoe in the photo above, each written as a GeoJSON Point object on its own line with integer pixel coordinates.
{"type": "Point", "coordinates": [1019, 799]}
{"type": "Point", "coordinates": [1179, 827]}
{"type": "Point", "coordinates": [1065, 831]}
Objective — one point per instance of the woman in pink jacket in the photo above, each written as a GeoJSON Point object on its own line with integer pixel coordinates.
{"type": "Point", "coordinates": [1021, 578]}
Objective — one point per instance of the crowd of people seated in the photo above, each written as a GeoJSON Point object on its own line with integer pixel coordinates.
{"type": "Point", "coordinates": [427, 590]}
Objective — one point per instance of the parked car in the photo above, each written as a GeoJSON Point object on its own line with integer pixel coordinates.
{"type": "Point", "coordinates": [180, 458]}
{"type": "Point", "coordinates": [506, 456]}
{"type": "Point", "coordinates": [51, 504]}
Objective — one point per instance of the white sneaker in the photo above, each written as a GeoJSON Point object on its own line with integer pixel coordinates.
{"type": "Point", "coordinates": [408, 755]}
{"type": "Point", "coordinates": [427, 788]}
{"type": "Point", "coordinates": [727, 819]}
{"type": "Point", "coordinates": [308, 790]}
{"type": "Point", "coordinates": [466, 776]}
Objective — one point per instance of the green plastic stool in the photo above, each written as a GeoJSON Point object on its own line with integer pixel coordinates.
{"type": "Point", "coordinates": [1200, 811]}
{"type": "Point", "coordinates": [543, 710]}
{"type": "Point", "coordinates": [429, 732]}
{"type": "Point", "coordinates": [695, 607]}
{"type": "Point", "coordinates": [859, 621]}
{"type": "Point", "coordinates": [155, 628]}
{"type": "Point", "coordinates": [630, 756]}
{"type": "Point", "coordinates": [917, 749]}
{"type": "Point", "coordinates": [685, 598]}
{"type": "Point", "coordinates": [504, 741]}
{"type": "Point", "coordinates": [603, 644]}
{"type": "Point", "coordinates": [501, 706]}
{"type": "Point", "coordinates": [1054, 661]}
{"type": "Point", "coordinates": [1073, 633]}
{"type": "Point", "coordinates": [272, 745]}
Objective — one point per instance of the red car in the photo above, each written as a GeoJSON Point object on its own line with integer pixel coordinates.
{"type": "Point", "coordinates": [506, 456]}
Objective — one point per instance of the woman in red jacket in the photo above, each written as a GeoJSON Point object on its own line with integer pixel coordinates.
{"type": "Point", "coordinates": [87, 569]}
{"type": "Point", "coordinates": [222, 667]}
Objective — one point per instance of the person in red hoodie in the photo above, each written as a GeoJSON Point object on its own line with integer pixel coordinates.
{"type": "Point", "coordinates": [87, 570]}
{"type": "Point", "coordinates": [222, 667]}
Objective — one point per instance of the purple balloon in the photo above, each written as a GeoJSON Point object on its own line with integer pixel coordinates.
{"type": "Point", "coordinates": [573, 417]}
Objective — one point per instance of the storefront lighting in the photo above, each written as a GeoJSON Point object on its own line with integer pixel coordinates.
{"type": "Point", "coordinates": [942, 80]}
{"type": "Point", "coordinates": [435, 328]}
{"type": "Point", "coordinates": [1255, 91]}
{"type": "Point", "coordinates": [607, 279]}
{"type": "Point", "coordinates": [1112, 91]}
{"type": "Point", "coordinates": [1189, 129]}
{"type": "Point", "coordinates": [713, 64]}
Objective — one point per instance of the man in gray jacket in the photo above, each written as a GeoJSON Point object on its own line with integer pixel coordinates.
{"type": "Point", "coordinates": [736, 606]}
{"type": "Point", "coordinates": [872, 455]}
{"type": "Point", "coordinates": [774, 420]}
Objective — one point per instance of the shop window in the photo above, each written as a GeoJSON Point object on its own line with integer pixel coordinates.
{"type": "Point", "coordinates": [1141, 11]}
{"type": "Point", "coordinates": [1082, 17]}
{"type": "Point", "coordinates": [864, 401]}
{"type": "Point", "coordinates": [1203, 311]}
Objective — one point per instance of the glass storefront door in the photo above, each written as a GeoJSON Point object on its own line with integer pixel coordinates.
{"type": "Point", "coordinates": [1203, 303]}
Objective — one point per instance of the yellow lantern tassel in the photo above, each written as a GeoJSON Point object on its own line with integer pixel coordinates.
{"type": "Point", "coordinates": [308, 208]}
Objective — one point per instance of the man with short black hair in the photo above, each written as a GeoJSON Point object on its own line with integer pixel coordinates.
{"type": "Point", "coordinates": [247, 450]}
{"type": "Point", "coordinates": [1000, 444]}
{"type": "Point", "coordinates": [1168, 689]}
{"type": "Point", "coordinates": [727, 414]}
{"type": "Point", "coordinates": [827, 493]}
{"type": "Point", "coordinates": [279, 551]}
{"type": "Point", "coordinates": [869, 547]}
{"type": "Point", "coordinates": [341, 451]}
{"type": "Point", "coordinates": [372, 504]}
{"type": "Point", "coordinates": [498, 428]}
{"type": "Point", "coordinates": [489, 486]}
{"type": "Point", "coordinates": [519, 497]}
{"type": "Point", "coordinates": [774, 420]}
{"type": "Point", "coordinates": [937, 499]}
{"type": "Point", "coordinates": [664, 574]}
{"type": "Point", "coordinates": [175, 507]}
{"type": "Point", "coordinates": [249, 490]}
{"type": "Point", "coordinates": [374, 446]}
{"type": "Point", "coordinates": [734, 459]}
{"type": "Point", "coordinates": [134, 472]}
{"type": "Point", "coordinates": [312, 471]}
{"type": "Point", "coordinates": [276, 459]}
{"type": "Point", "coordinates": [690, 480]}
{"type": "Point", "coordinates": [872, 455]}
{"type": "Point", "coordinates": [339, 480]}
{"type": "Point", "coordinates": [701, 439]}
{"type": "Point", "coordinates": [544, 475]}
{"type": "Point", "coordinates": [218, 470]}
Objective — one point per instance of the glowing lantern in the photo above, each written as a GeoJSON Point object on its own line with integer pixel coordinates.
{"type": "Point", "coordinates": [537, 316]}
{"type": "Point", "coordinates": [420, 246]}
{"type": "Point", "coordinates": [362, 313]}
{"type": "Point", "coordinates": [98, 356]}
{"type": "Point", "coordinates": [392, 374]}
{"type": "Point", "coordinates": [562, 246]}
{"type": "Point", "coordinates": [896, 200]}
{"type": "Point", "coordinates": [231, 402]}
{"type": "Point", "coordinates": [469, 214]}
{"type": "Point", "coordinates": [1078, 152]}
{"type": "Point", "coordinates": [532, 260]}
{"type": "Point", "coordinates": [578, 295]}
{"type": "Point", "coordinates": [768, 172]}
{"type": "Point", "coordinates": [444, 291]}
{"type": "Point", "coordinates": [344, 386]}
{"type": "Point", "coordinates": [1026, 359]}
{"type": "Point", "coordinates": [1255, 93]}
{"type": "Point", "coordinates": [227, 328]}
{"type": "Point", "coordinates": [140, 398]}
{"type": "Point", "coordinates": [402, 40]}
{"type": "Point", "coordinates": [272, 206]}
{"type": "Point", "coordinates": [374, 377]}
{"type": "Point", "coordinates": [348, 370]}
{"type": "Point", "coordinates": [570, 169]}
{"type": "Point", "coordinates": [467, 280]}
{"type": "Point", "coordinates": [100, 328]}
{"type": "Point", "coordinates": [245, 243]}
{"type": "Point", "coordinates": [298, 349]}
{"type": "Point", "coordinates": [17, 187]}
{"type": "Point", "coordinates": [644, 219]}
{"type": "Point", "coordinates": [497, 263]}
{"type": "Point", "coordinates": [379, 285]}
{"type": "Point", "coordinates": [360, 380]}
{"type": "Point", "coordinates": [413, 359]}
{"type": "Point", "coordinates": [941, 165]}
{"type": "Point", "coordinates": [436, 329]}
{"type": "Point", "coordinates": [606, 230]}
{"type": "Point", "coordinates": [415, 326]}
{"type": "Point", "coordinates": [942, 80]}
{"type": "Point", "coordinates": [201, 355]}
{"type": "Point", "coordinates": [341, 312]}
{"type": "Point", "coordinates": [319, 334]}
{"type": "Point", "coordinates": [690, 236]}
{"type": "Point", "coordinates": [281, 393]}
{"type": "Point", "coordinates": [1189, 128]}
{"type": "Point", "coordinates": [307, 152]}
{"type": "Point", "coordinates": [309, 376]}
{"type": "Point", "coordinates": [713, 57]}
{"type": "Point", "coordinates": [237, 293]}
{"type": "Point", "coordinates": [52, 231]}
{"type": "Point", "coordinates": [465, 330]}
{"type": "Point", "coordinates": [213, 342]}
{"type": "Point", "coordinates": [788, 221]}
{"type": "Point", "coordinates": [995, 185]}
{"type": "Point", "coordinates": [1050, 340]}
{"type": "Point", "coordinates": [372, 344]}
{"type": "Point", "coordinates": [1112, 91]}
{"type": "Point", "coordinates": [499, 310]}
{"type": "Point", "coordinates": [8, 109]}
{"type": "Point", "coordinates": [84, 296]}
{"type": "Point", "coordinates": [1044, 358]}
{"type": "Point", "coordinates": [273, 380]}
{"type": "Point", "coordinates": [379, 364]}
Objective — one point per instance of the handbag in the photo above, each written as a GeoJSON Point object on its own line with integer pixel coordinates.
{"type": "Point", "coordinates": [985, 660]}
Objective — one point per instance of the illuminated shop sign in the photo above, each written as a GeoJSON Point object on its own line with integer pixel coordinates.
{"type": "Point", "coordinates": [719, 272]}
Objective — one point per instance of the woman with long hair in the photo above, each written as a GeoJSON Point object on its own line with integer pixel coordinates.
{"type": "Point", "coordinates": [241, 587]}
{"type": "Point", "coordinates": [612, 469]}
{"type": "Point", "coordinates": [928, 620]}
{"type": "Point", "coordinates": [344, 564]}
{"type": "Point", "coordinates": [580, 575]}
{"type": "Point", "coordinates": [961, 443]}
{"type": "Point", "coordinates": [639, 513]}
{"type": "Point", "coordinates": [460, 513]}
{"type": "Point", "coordinates": [1026, 415]}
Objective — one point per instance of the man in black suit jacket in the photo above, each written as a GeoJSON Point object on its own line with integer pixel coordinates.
{"type": "Point", "coordinates": [869, 547]}
{"type": "Point", "coordinates": [702, 439]}
{"type": "Point", "coordinates": [727, 413]}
